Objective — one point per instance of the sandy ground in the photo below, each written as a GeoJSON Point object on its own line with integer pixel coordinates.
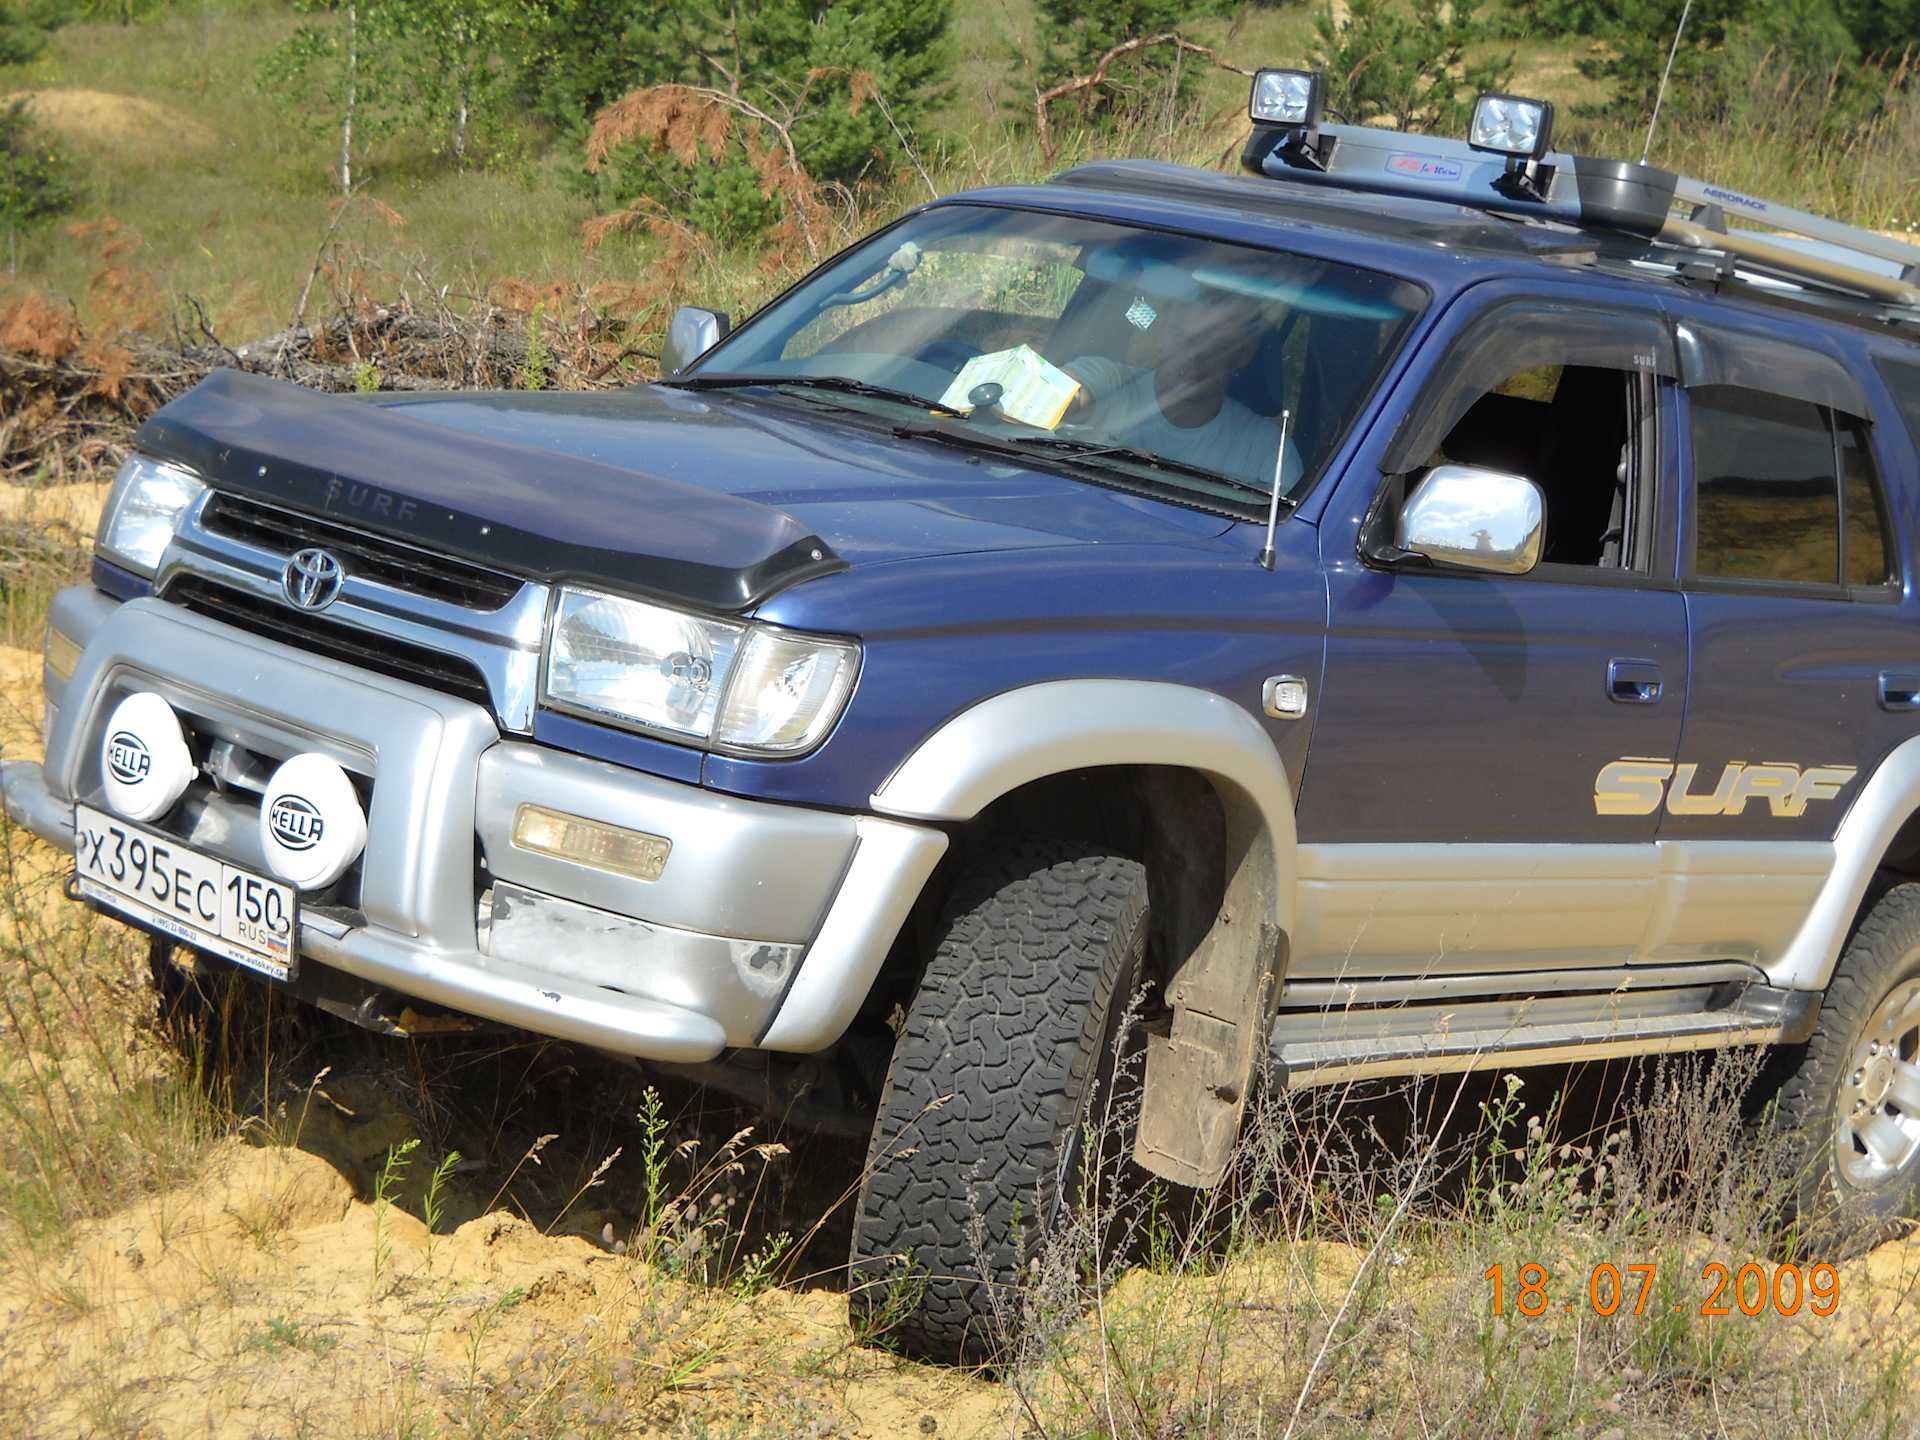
{"type": "Point", "coordinates": [73, 507]}
{"type": "Point", "coordinates": [124, 122]}
{"type": "Point", "coordinates": [253, 1305]}
{"type": "Point", "coordinates": [269, 1300]}
{"type": "Point", "coordinates": [276, 1298]}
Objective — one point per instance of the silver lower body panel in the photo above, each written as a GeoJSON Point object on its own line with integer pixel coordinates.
{"type": "Point", "coordinates": [766, 926]}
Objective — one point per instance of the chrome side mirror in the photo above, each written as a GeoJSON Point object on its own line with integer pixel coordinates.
{"type": "Point", "coordinates": [1478, 519]}
{"type": "Point", "coordinates": [690, 334]}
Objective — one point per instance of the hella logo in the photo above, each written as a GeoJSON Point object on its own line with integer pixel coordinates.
{"type": "Point", "coordinates": [296, 823]}
{"type": "Point", "coordinates": [128, 757]}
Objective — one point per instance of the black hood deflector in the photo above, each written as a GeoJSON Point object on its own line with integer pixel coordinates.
{"type": "Point", "coordinates": [520, 509]}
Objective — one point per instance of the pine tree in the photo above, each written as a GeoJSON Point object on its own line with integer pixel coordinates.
{"type": "Point", "coordinates": [35, 179]}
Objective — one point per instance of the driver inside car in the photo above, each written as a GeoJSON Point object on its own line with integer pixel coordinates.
{"type": "Point", "coordinates": [1180, 408]}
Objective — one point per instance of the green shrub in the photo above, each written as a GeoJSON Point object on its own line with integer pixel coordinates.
{"type": "Point", "coordinates": [36, 181]}
{"type": "Point", "coordinates": [1073, 35]}
{"type": "Point", "coordinates": [439, 70]}
{"type": "Point", "coordinates": [852, 79]}
{"type": "Point", "coordinates": [1881, 27]}
{"type": "Point", "coordinates": [24, 25]}
{"type": "Point", "coordinates": [1409, 65]}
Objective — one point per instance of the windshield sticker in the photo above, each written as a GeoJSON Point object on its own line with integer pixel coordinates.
{"type": "Point", "coordinates": [1140, 314]}
{"type": "Point", "coordinates": [1637, 786]}
{"type": "Point", "coordinates": [1426, 167]}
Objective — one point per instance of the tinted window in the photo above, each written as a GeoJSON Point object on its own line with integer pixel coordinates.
{"type": "Point", "coordinates": [1766, 494]}
{"type": "Point", "coordinates": [1869, 557]}
{"type": "Point", "coordinates": [1904, 382]}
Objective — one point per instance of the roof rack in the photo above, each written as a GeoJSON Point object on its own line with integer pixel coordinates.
{"type": "Point", "coordinates": [1505, 167]}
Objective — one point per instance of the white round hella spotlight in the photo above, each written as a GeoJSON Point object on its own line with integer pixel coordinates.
{"type": "Point", "coordinates": [311, 824]}
{"type": "Point", "coordinates": [144, 761]}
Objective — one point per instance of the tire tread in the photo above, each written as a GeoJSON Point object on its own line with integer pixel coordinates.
{"type": "Point", "coordinates": [1005, 1034]}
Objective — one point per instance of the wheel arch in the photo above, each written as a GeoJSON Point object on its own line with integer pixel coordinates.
{"type": "Point", "coordinates": [1222, 992]}
{"type": "Point", "coordinates": [1882, 826]}
{"type": "Point", "coordinates": [1058, 727]}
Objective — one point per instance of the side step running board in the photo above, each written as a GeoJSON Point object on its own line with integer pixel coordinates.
{"type": "Point", "coordinates": [1331, 1045]}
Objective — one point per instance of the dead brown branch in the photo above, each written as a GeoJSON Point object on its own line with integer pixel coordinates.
{"type": "Point", "coordinates": [1098, 77]}
{"type": "Point", "coordinates": [683, 118]}
{"type": "Point", "coordinates": [70, 402]}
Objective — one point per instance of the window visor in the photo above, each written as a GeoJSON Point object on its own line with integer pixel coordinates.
{"type": "Point", "coordinates": [1753, 362]}
{"type": "Point", "coordinates": [1507, 339]}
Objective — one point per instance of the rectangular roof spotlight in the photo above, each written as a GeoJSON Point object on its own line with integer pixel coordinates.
{"type": "Point", "coordinates": [1510, 125]}
{"type": "Point", "coordinates": [1288, 97]}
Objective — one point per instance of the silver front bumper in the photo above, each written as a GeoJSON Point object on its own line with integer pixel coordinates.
{"type": "Point", "coordinates": [674, 969]}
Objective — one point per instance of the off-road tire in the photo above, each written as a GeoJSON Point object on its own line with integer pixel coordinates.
{"type": "Point", "coordinates": [1877, 979]}
{"type": "Point", "coordinates": [1009, 1040]}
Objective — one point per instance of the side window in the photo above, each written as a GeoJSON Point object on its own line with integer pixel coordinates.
{"type": "Point", "coordinates": [1870, 559]}
{"type": "Point", "coordinates": [1566, 395]}
{"type": "Point", "coordinates": [1572, 430]}
{"type": "Point", "coordinates": [1784, 492]}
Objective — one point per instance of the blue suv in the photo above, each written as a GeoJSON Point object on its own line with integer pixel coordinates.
{"type": "Point", "coordinates": [1418, 605]}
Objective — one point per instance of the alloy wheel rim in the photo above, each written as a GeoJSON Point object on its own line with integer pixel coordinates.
{"type": "Point", "coordinates": [1878, 1108]}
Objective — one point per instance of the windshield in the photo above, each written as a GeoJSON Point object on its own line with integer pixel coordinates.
{"type": "Point", "coordinates": [1164, 355]}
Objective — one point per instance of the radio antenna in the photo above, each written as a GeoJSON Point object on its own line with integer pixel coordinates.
{"type": "Point", "coordinates": [1661, 96]}
{"type": "Point", "coordinates": [1267, 558]}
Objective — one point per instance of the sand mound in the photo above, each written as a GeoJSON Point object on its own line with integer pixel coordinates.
{"type": "Point", "coordinates": [266, 1300]}
{"type": "Point", "coordinates": [122, 121]}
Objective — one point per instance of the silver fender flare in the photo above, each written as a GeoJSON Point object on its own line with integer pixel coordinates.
{"type": "Point", "coordinates": [995, 747]}
{"type": "Point", "coordinates": [1060, 725]}
{"type": "Point", "coordinates": [1885, 803]}
{"type": "Point", "coordinates": [1223, 993]}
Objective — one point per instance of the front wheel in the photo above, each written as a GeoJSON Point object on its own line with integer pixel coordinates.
{"type": "Point", "coordinates": [1851, 1106]}
{"type": "Point", "coordinates": [976, 1154]}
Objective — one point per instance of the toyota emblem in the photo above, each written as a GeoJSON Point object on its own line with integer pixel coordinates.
{"type": "Point", "coordinates": [312, 579]}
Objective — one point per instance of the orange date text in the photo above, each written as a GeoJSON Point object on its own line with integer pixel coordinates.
{"type": "Point", "coordinates": [1751, 1290]}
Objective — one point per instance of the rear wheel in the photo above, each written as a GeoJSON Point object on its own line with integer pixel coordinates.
{"type": "Point", "coordinates": [1851, 1106]}
{"type": "Point", "coordinates": [1005, 1054]}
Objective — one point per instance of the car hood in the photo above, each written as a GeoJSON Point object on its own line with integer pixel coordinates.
{"type": "Point", "coordinates": [870, 496]}
{"type": "Point", "coordinates": [720, 501]}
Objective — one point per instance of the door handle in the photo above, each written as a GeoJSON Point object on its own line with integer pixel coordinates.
{"type": "Point", "coordinates": [1633, 682]}
{"type": "Point", "coordinates": [1900, 689]}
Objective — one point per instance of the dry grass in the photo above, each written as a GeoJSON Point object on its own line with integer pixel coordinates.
{"type": "Point", "coordinates": [228, 1224]}
{"type": "Point", "coordinates": [220, 1215]}
{"type": "Point", "coordinates": [224, 1215]}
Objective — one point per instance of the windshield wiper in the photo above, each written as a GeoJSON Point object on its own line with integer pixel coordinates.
{"type": "Point", "coordinates": [1152, 459]}
{"type": "Point", "coordinates": [1023, 447]}
{"type": "Point", "coordinates": [843, 384]}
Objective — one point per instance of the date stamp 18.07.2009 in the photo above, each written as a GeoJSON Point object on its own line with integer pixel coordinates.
{"type": "Point", "coordinates": [1751, 1290]}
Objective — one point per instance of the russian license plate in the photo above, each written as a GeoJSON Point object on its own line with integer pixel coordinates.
{"type": "Point", "coordinates": [206, 903]}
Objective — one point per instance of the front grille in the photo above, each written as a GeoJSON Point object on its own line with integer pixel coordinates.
{"type": "Point", "coordinates": [432, 668]}
{"type": "Point", "coordinates": [418, 572]}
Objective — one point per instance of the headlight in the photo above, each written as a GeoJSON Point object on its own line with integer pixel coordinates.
{"type": "Point", "coordinates": [715, 682]}
{"type": "Point", "coordinates": [147, 500]}
{"type": "Point", "coordinates": [642, 663]}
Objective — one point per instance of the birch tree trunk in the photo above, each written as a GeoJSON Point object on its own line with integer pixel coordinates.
{"type": "Point", "coordinates": [353, 85]}
{"type": "Point", "coordinates": [463, 53]}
